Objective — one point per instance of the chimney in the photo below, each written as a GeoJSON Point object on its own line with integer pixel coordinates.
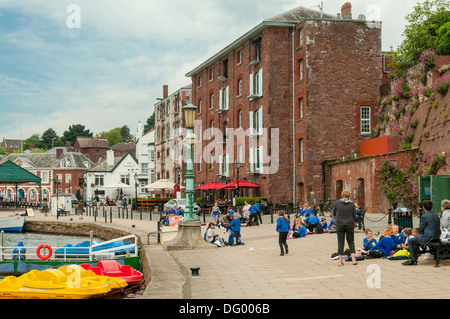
{"type": "Point", "coordinates": [59, 152]}
{"type": "Point", "coordinates": [110, 158]}
{"type": "Point", "coordinates": [346, 11]}
{"type": "Point", "coordinates": [165, 91]}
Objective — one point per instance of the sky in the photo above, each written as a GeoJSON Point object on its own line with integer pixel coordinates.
{"type": "Point", "coordinates": [103, 63]}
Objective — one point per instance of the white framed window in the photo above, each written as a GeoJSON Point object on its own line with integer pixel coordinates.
{"type": "Point", "coordinates": [68, 178]}
{"type": "Point", "coordinates": [45, 177]}
{"type": "Point", "coordinates": [99, 180]}
{"type": "Point", "coordinates": [301, 150]}
{"type": "Point", "coordinates": [211, 100]}
{"type": "Point", "coordinates": [224, 100]}
{"type": "Point", "coordinates": [240, 119]}
{"type": "Point", "coordinates": [259, 121]}
{"type": "Point", "coordinates": [300, 102]}
{"type": "Point", "coordinates": [301, 69]}
{"type": "Point", "coordinates": [256, 84]}
{"type": "Point", "coordinates": [365, 120]}
{"type": "Point", "coordinates": [240, 87]}
{"type": "Point", "coordinates": [300, 35]}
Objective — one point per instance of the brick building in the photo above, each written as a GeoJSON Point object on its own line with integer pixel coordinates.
{"type": "Point", "coordinates": [94, 148]}
{"type": "Point", "coordinates": [168, 120]}
{"type": "Point", "coordinates": [314, 77]}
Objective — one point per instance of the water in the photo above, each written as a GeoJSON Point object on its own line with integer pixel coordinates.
{"type": "Point", "coordinates": [33, 240]}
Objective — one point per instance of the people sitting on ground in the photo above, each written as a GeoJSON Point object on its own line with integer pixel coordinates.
{"type": "Point", "coordinates": [323, 221]}
{"type": "Point", "coordinates": [213, 238]}
{"type": "Point", "coordinates": [396, 236]}
{"type": "Point", "coordinates": [313, 223]}
{"type": "Point", "coordinates": [384, 247]}
{"type": "Point", "coordinates": [368, 243]}
{"type": "Point", "coordinates": [307, 210]}
{"type": "Point", "coordinates": [407, 234]}
{"type": "Point", "coordinates": [300, 211]}
{"type": "Point", "coordinates": [299, 229]}
{"type": "Point", "coordinates": [332, 225]}
{"type": "Point", "coordinates": [180, 211]}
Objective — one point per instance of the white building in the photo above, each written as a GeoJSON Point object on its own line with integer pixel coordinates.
{"type": "Point", "coordinates": [145, 155]}
{"type": "Point", "coordinates": [124, 169]}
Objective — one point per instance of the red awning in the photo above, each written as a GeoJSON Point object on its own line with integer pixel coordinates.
{"type": "Point", "coordinates": [212, 185]}
{"type": "Point", "coordinates": [241, 184]}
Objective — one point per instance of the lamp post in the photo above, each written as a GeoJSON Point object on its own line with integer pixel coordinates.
{"type": "Point", "coordinates": [189, 114]}
{"type": "Point", "coordinates": [135, 191]}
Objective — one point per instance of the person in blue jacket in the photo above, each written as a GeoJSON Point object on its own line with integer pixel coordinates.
{"type": "Point", "coordinates": [235, 227]}
{"type": "Point", "coordinates": [312, 221]}
{"type": "Point", "coordinates": [283, 228]}
{"type": "Point", "coordinates": [385, 245]}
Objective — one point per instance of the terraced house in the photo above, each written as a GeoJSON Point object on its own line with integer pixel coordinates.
{"type": "Point", "coordinates": [314, 77]}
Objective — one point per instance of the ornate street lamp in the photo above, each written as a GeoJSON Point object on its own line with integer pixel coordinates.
{"type": "Point", "coordinates": [189, 115]}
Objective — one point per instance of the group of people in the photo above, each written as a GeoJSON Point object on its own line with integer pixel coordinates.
{"type": "Point", "coordinates": [232, 222]}
{"type": "Point", "coordinates": [409, 242]}
{"type": "Point", "coordinates": [168, 212]}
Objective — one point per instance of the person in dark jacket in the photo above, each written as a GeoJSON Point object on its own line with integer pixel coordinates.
{"type": "Point", "coordinates": [429, 229]}
{"type": "Point", "coordinates": [344, 211]}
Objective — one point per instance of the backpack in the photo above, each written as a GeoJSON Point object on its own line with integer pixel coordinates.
{"type": "Point", "coordinates": [319, 228]}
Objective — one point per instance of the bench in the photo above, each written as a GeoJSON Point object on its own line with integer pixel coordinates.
{"type": "Point", "coordinates": [64, 213]}
{"type": "Point", "coordinates": [440, 250]}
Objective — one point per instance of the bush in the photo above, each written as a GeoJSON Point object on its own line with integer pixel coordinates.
{"type": "Point", "coordinates": [442, 84]}
{"type": "Point", "coordinates": [251, 200]}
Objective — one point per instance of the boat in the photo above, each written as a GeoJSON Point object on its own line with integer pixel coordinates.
{"type": "Point", "coordinates": [88, 275]}
{"type": "Point", "coordinates": [112, 268]}
{"type": "Point", "coordinates": [50, 284]}
{"type": "Point", "coordinates": [12, 224]}
{"type": "Point", "coordinates": [114, 247]}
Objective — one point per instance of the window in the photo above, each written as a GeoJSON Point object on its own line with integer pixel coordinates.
{"type": "Point", "coordinates": [125, 179]}
{"type": "Point", "coordinates": [99, 180]}
{"type": "Point", "coordinates": [300, 142]}
{"type": "Point", "coordinates": [259, 121]}
{"type": "Point", "coordinates": [211, 126]}
{"type": "Point", "coordinates": [256, 84]}
{"type": "Point", "coordinates": [200, 80]}
{"type": "Point", "coordinates": [240, 119]}
{"type": "Point", "coordinates": [257, 44]}
{"type": "Point", "coordinates": [68, 178]}
{"type": "Point", "coordinates": [240, 153]}
{"type": "Point", "coordinates": [365, 120]}
{"type": "Point", "coordinates": [211, 74]}
{"type": "Point", "coordinates": [300, 105]}
{"type": "Point", "coordinates": [224, 100]}
{"type": "Point", "coordinates": [300, 36]}
{"type": "Point", "coordinates": [59, 177]}
{"type": "Point", "coordinates": [44, 176]}
{"type": "Point", "coordinates": [240, 56]}
{"type": "Point", "coordinates": [212, 160]}
{"type": "Point", "coordinates": [211, 101]}
{"type": "Point", "coordinates": [300, 69]}
{"type": "Point", "coordinates": [200, 106]}
{"type": "Point", "coordinates": [240, 87]}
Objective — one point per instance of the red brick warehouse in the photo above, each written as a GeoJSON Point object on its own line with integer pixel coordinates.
{"type": "Point", "coordinates": [315, 77]}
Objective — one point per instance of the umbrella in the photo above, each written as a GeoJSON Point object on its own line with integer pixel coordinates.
{"type": "Point", "coordinates": [161, 184]}
{"type": "Point", "coordinates": [241, 184]}
{"type": "Point", "coordinates": [212, 185]}
{"type": "Point", "coordinates": [118, 185]}
{"type": "Point", "coordinates": [402, 209]}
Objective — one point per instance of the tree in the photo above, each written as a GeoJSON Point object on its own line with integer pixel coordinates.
{"type": "Point", "coordinates": [114, 137]}
{"type": "Point", "coordinates": [33, 139]}
{"type": "Point", "coordinates": [150, 123]}
{"type": "Point", "coordinates": [422, 32]}
{"type": "Point", "coordinates": [125, 132]}
{"type": "Point", "coordinates": [74, 131]}
{"type": "Point", "coordinates": [50, 139]}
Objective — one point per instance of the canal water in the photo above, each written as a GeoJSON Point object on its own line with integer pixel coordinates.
{"type": "Point", "coordinates": [35, 239]}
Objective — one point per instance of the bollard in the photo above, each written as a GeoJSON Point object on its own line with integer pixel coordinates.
{"type": "Point", "coordinates": [110, 215]}
{"type": "Point", "coordinates": [195, 270]}
{"type": "Point", "coordinates": [159, 230]}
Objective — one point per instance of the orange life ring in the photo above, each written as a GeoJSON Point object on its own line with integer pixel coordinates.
{"type": "Point", "coordinates": [38, 252]}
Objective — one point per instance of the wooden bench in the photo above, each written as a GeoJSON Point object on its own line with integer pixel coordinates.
{"type": "Point", "coordinates": [64, 213]}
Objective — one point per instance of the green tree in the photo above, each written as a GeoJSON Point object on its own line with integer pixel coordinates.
{"type": "Point", "coordinates": [50, 139]}
{"type": "Point", "coordinates": [114, 137]}
{"type": "Point", "coordinates": [33, 139]}
{"type": "Point", "coordinates": [422, 32]}
{"type": "Point", "coordinates": [126, 135]}
{"type": "Point", "coordinates": [150, 123]}
{"type": "Point", "coordinates": [74, 131]}
{"type": "Point", "coordinates": [443, 40]}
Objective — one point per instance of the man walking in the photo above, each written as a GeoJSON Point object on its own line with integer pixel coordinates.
{"type": "Point", "coordinates": [429, 232]}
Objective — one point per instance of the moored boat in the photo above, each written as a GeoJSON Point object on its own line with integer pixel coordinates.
{"type": "Point", "coordinates": [50, 284]}
{"type": "Point", "coordinates": [112, 268]}
{"type": "Point", "coordinates": [12, 224]}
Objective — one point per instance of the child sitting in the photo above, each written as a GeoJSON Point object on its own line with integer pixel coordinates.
{"type": "Point", "coordinates": [368, 243]}
{"type": "Point", "coordinates": [323, 221]}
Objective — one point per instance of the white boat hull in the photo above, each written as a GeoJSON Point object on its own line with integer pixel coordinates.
{"type": "Point", "coordinates": [12, 224]}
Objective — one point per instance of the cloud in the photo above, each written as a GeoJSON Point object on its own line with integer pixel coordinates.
{"type": "Point", "coordinates": [109, 72]}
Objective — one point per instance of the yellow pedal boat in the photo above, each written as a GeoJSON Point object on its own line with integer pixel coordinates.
{"type": "Point", "coordinates": [50, 284]}
{"type": "Point", "coordinates": [71, 271]}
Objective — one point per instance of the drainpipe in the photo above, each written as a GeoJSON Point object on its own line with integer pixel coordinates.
{"type": "Point", "coordinates": [293, 115]}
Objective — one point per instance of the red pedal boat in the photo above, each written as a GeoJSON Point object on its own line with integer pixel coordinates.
{"type": "Point", "coordinates": [112, 268]}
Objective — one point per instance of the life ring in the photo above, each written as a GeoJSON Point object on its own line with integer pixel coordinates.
{"type": "Point", "coordinates": [38, 252]}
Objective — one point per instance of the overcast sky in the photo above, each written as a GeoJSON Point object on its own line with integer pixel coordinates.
{"type": "Point", "coordinates": [109, 70]}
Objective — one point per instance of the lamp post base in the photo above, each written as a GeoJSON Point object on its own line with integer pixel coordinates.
{"type": "Point", "coordinates": [189, 237]}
